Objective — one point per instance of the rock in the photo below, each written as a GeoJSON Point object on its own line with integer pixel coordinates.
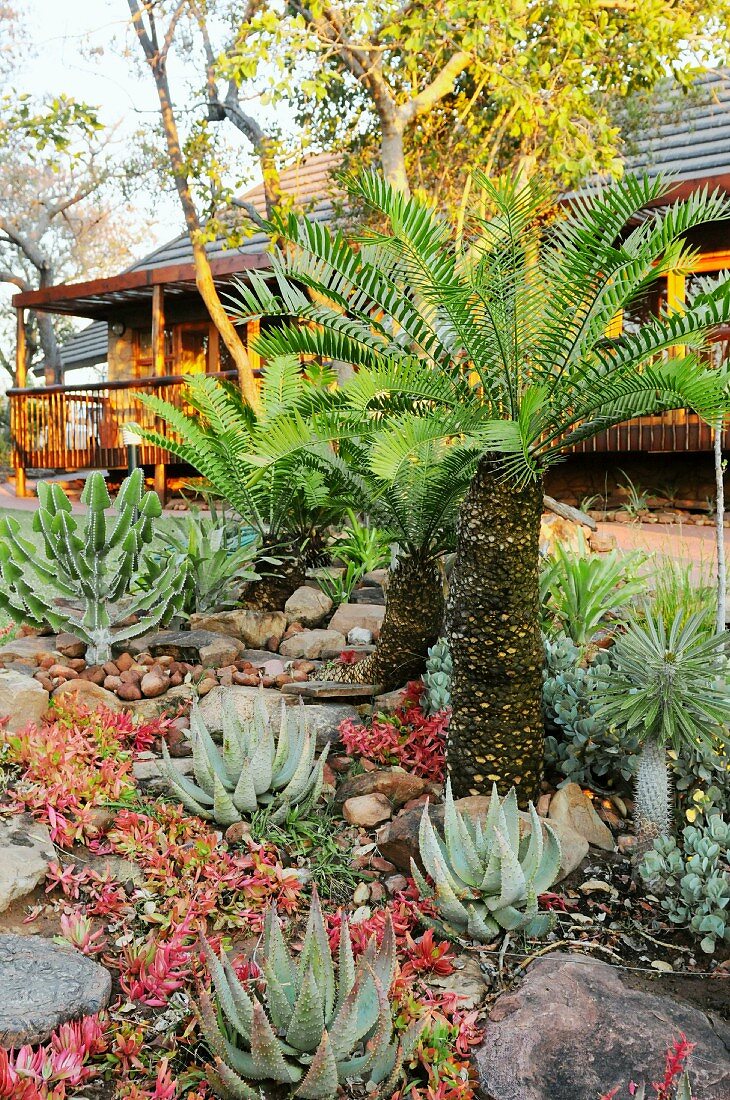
{"type": "Point", "coordinates": [256, 657]}
{"type": "Point", "coordinates": [467, 982]}
{"type": "Point", "coordinates": [390, 701]}
{"type": "Point", "coordinates": [254, 628]}
{"type": "Point", "coordinates": [397, 785]}
{"type": "Point", "coordinates": [153, 684]}
{"type": "Point", "coordinates": [129, 692]}
{"type": "Point", "coordinates": [326, 719]}
{"type": "Point", "coordinates": [152, 769]}
{"type": "Point", "coordinates": [274, 667]}
{"type": "Point", "coordinates": [43, 985]}
{"type": "Point", "coordinates": [309, 606]}
{"type": "Point", "coordinates": [29, 648]}
{"type": "Point", "coordinates": [68, 645]}
{"type": "Point", "coordinates": [398, 841]}
{"type": "Point", "coordinates": [366, 615]}
{"type": "Point", "coordinates": [165, 704]}
{"type": "Point", "coordinates": [359, 635]}
{"type": "Point", "coordinates": [396, 884]}
{"type": "Point", "coordinates": [330, 689]}
{"type": "Point", "coordinates": [25, 852]}
{"type": "Point", "coordinates": [22, 699]}
{"type": "Point", "coordinates": [314, 643]}
{"type": "Point", "coordinates": [183, 645]}
{"type": "Point", "coordinates": [571, 807]}
{"type": "Point", "coordinates": [574, 1030]}
{"type": "Point", "coordinates": [244, 700]}
{"type": "Point", "coordinates": [222, 650]}
{"type": "Point", "coordinates": [556, 529]}
{"type": "Point", "coordinates": [378, 577]}
{"type": "Point", "coordinates": [367, 810]}
{"type": "Point", "coordinates": [89, 694]}
{"type": "Point", "coordinates": [368, 594]}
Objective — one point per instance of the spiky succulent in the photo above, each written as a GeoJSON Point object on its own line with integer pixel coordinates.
{"type": "Point", "coordinates": [253, 770]}
{"type": "Point", "coordinates": [486, 877]}
{"type": "Point", "coordinates": [315, 1026]}
{"type": "Point", "coordinates": [437, 678]}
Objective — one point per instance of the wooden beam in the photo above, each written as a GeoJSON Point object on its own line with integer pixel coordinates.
{"type": "Point", "coordinates": [21, 381]}
{"type": "Point", "coordinates": [158, 368]}
{"type": "Point", "coordinates": [253, 331]}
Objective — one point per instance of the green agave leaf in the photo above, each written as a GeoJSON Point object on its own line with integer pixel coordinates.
{"type": "Point", "coordinates": [316, 953]}
{"type": "Point", "coordinates": [228, 1085]}
{"type": "Point", "coordinates": [513, 880]}
{"type": "Point", "coordinates": [224, 811]}
{"type": "Point", "coordinates": [321, 1082]}
{"type": "Point", "coordinates": [232, 997]}
{"type": "Point", "coordinates": [266, 1051]}
{"type": "Point", "coordinates": [480, 926]}
{"type": "Point", "coordinates": [244, 796]}
{"type": "Point", "coordinates": [549, 867]}
{"type": "Point", "coordinates": [307, 1021]}
{"type": "Point", "coordinates": [277, 954]}
{"type": "Point", "coordinates": [345, 964]}
{"type": "Point", "coordinates": [277, 1001]}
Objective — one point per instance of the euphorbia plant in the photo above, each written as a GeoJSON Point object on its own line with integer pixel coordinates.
{"type": "Point", "coordinates": [500, 336]}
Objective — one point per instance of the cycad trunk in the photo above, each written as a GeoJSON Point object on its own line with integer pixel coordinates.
{"type": "Point", "coordinates": [414, 617]}
{"type": "Point", "coordinates": [493, 630]}
{"type": "Point", "coordinates": [278, 582]}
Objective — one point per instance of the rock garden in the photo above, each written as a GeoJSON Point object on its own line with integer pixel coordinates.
{"type": "Point", "coordinates": [365, 777]}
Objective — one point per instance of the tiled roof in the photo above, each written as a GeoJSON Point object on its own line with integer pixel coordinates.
{"type": "Point", "coordinates": [86, 348]}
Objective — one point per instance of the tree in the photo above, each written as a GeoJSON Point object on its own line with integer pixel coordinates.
{"type": "Point", "coordinates": [515, 356]}
{"type": "Point", "coordinates": [432, 89]}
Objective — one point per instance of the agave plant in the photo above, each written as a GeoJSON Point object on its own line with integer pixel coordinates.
{"type": "Point", "coordinates": [486, 877]}
{"type": "Point", "coordinates": [315, 1027]}
{"type": "Point", "coordinates": [253, 769]}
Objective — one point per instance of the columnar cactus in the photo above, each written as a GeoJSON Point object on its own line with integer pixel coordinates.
{"type": "Point", "coordinates": [437, 678]}
{"type": "Point", "coordinates": [93, 569]}
{"type": "Point", "coordinates": [253, 770]}
{"type": "Point", "coordinates": [315, 1027]}
{"type": "Point", "coordinates": [486, 877]}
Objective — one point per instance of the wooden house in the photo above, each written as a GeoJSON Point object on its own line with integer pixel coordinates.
{"type": "Point", "coordinates": [150, 327]}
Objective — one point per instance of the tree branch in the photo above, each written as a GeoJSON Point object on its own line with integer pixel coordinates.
{"type": "Point", "coordinates": [439, 87]}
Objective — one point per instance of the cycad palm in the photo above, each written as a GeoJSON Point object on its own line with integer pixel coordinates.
{"type": "Point", "coordinates": [503, 339]}
{"type": "Point", "coordinates": [415, 501]}
{"type": "Point", "coordinates": [289, 507]}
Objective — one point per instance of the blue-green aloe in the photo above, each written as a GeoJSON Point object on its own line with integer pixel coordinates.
{"type": "Point", "coordinates": [316, 1026]}
{"type": "Point", "coordinates": [486, 877]}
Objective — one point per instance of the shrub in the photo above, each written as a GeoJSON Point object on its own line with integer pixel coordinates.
{"type": "Point", "coordinates": [94, 570]}
{"type": "Point", "coordinates": [486, 878]}
{"type": "Point", "coordinates": [408, 738]}
{"type": "Point", "coordinates": [694, 879]}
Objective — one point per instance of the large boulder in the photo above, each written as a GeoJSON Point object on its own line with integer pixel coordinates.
{"type": "Point", "coordinates": [398, 841]}
{"type": "Point", "coordinates": [22, 699]}
{"type": "Point", "coordinates": [253, 628]}
{"type": "Point", "coordinates": [324, 718]}
{"type": "Point", "coordinates": [397, 785]}
{"type": "Point", "coordinates": [29, 648]}
{"type": "Point", "coordinates": [574, 1031]}
{"type": "Point", "coordinates": [367, 615]}
{"type": "Point", "coordinates": [569, 806]}
{"type": "Point", "coordinates": [25, 852]}
{"type": "Point", "coordinates": [209, 647]}
{"type": "Point", "coordinates": [308, 606]}
{"type": "Point", "coordinates": [43, 985]}
{"type": "Point", "coordinates": [314, 644]}
{"type": "Point", "coordinates": [89, 694]}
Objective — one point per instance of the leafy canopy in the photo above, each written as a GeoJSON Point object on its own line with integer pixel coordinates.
{"type": "Point", "coordinates": [497, 338]}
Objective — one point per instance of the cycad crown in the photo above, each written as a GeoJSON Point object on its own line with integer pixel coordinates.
{"type": "Point", "coordinates": [253, 770]}
{"type": "Point", "coordinates": [317, 1025]}
{"type": "Point", "coordinates": [485, 876]}
{"type": "Point", "coordinates": [95, 569]}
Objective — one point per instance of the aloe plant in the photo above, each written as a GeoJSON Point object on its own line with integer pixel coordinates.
{"type": "Point", "coordinates": [316, 1026]}
{"type": "Point", "coordinates": [486, 877]}
{"type": "Point", "coordinates": [93, 569]}
{"type": "Point", "coordinates": [253, 769]}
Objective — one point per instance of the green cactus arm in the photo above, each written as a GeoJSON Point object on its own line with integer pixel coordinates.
{"type": "Point", "coordinates": [95, 494]}
{"type": "Point", "coordinates": [317, 954]}
{"type": "Point", "coordinates": [227, 1085]}
{"type": "Point", "coordinates": [68, 550]}
{"type": "Point", "coordinates": [277, 953]}
{"type": "Point", "coordinates": [266, 1051]}
{"type": "Point", "coordinates": [131, 489]}
{"type": "Point", "coordinates": [224, 811]}
{"type": "Point", "coordinates": [308, 1017]}
{"type": "Point", "coordinates": [321, 1082]}
{"type": "Point", "coordinates": [232, 997]}
{"type": "Point", "coordinates": [121, 528]}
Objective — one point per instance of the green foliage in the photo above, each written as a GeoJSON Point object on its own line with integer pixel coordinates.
{"type": "Point", "coordinates": [339, 586]}
{"type": "Point", "coordinates": [284, 502]}
{"type": "Point", "coordinates": [675, 589]}
{"type": "Point", "coordinates": [211, 570]}
{"type": "Point", "coordinates": [578, 589]}
{"type": "Point", "coordinates": [486, 877]}
{"type": "Point", "coordinates": [410, 310]}
{"type": "Point", "coordinates": [437, 678]}
{"type": "Point", "coordinates": [583, 746]}
{"type": "Point", "coordinates": [694, 879]}
{"type": "Point", "coordinates": [254, 769]}
{"type": "Point", "coordinates": [317, 1026]}
{"type": "Point", "coordinates": [365, 546]}
{"type": "Point", "coordinates": [93, 569]}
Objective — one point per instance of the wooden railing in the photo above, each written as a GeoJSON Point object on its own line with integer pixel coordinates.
{"type": "Point", "coordinates": [80, 427]}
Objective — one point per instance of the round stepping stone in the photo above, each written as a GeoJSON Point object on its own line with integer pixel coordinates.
{"type": "Point", "coordinates": [42, 985]}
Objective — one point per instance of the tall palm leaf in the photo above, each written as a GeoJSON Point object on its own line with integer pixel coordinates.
{"type": "Point", "coordinates": [505, 337]}
{"type": "Point", "coordinates": [415, 502]}
{"type": "Point", "coordinates": [289, 507]}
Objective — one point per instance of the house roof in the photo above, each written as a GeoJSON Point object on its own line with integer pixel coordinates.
{"type": "Point", "coordinates": [86, 348]}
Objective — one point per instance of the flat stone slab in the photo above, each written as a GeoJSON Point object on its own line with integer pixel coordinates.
{"type": "Point", "coordinates": [42, 985]}
{"type": "Point", "coordinates": [28, 647]}
{"type": "Point", "coordinates": [183, 645]}
{"type": "Point", "coordinates": [25, 852]}
{"type": "Point", "coordinates": [331, 689]}
{"type": "Point", "coordinates": [574, 1031]}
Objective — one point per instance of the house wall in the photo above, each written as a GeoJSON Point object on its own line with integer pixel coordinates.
{"type": "Point", "coordinates": [122, 348]}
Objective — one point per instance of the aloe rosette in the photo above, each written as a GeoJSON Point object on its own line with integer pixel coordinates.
{"type": "Point", "coordinates": [486, 877]}
{"type": "Point", "coordinates": [253, 770]}
{"type": "Point", "coordinates": [315, 1026]}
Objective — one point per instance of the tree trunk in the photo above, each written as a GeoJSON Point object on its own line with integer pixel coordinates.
{"type": "Point", "coordinates": [651, 814]}
{"type": "Point", "coordinates": [720, 530]}
{"type": "Point", "coordinates": [392, 156]}
{"type": "Point", "coordinates": [277, 582]}
{"type": "Point", "coordinates": [493, 631]}
{"type": "Point", "coordinates": [414, 616]}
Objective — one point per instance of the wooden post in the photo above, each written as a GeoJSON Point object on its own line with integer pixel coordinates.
{"type": "Point", "coordinates": [253, 330]}
{"type": "Point", "coordinates": [158, 365]}
{"type": "Point", "coordinates": [21, 381]}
